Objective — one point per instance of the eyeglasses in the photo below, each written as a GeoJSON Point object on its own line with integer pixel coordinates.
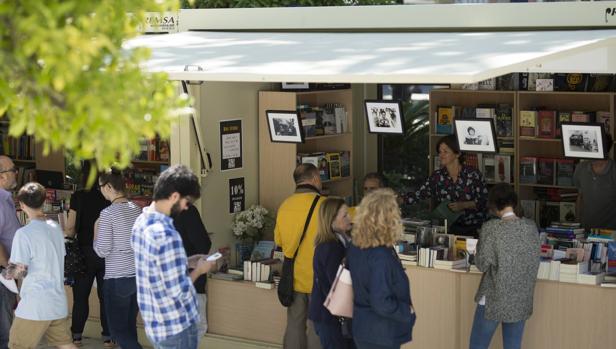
{"type": "Point", "coordinates": [12, 169]}
{"type": "Point", "coordinates": [102, 185]}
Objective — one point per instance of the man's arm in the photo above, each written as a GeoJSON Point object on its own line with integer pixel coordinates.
{"type": "Point", "coordinates": [69, 226]}
{"type": "Point", "coordinates": [16, 271]}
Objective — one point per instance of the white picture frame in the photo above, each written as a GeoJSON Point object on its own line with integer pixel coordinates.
{"type": "Point", "coordinates": [583, 140]}
{"type": "Point", "coordinates": [384, 117]}
{"type": "Point", "coordinates": [284, 126]}
{"type": "Point", "coordinates": [476, 135]}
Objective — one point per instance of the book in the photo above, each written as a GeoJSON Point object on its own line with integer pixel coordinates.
{"type": "Point", "coordinates": [485, 112]}
{"type": "Point", "coordinates": [580, 116]}
{"type": "Point", "coordinates": [567, 211]}
{"type": "Point", "coordinates": [502, 165]}
{"type": "Point", "coordinates": [528, 123]}
{"type": "Point", "coordinates": [345, 163]}
{"type": "Point", "coordinates": [264, 285]}
{"type": "Point", "coordinates": [545, 171]}
{"type": "Point", "coordinates": [528, 170]}
{"type": "Point", "coordinates": [262, 250]}
{"type": "Point", "coordinates": [442, 211]}
{"type": "Point", "coordinates": [546, 124]}
{"type": "Point", "coordinates": [488, 168]}
{"type": "Point", "coordinates": [599, 82]}
{"type": "Point", "coordinates": [504, 120]}
{"type": "Point", "coordinates": [335, 169]}
{"type": "Point", "coordinates": [506, 145]}
{"type": "Point", "coordinates": [605, 118]}
{"type": "Point", "coordinates": [470, 159]}
{"type": "Point", "coordinates": [570, 81]}
{"type": "Point", "coordinates": [563, 116]}
{"type": "Point", "coordinates": [444, 120]}
{"type": "Point", "coordinates": [544, 85]}
{"type": "Point", "coordinates": [226, 276]}
{"type": "Point", "coordinates": [564, 172]}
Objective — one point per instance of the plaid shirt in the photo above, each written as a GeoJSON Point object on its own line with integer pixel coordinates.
{"type": "Point", "coordinates": [166, 296]}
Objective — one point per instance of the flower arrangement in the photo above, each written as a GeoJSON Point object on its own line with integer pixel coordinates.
{"type": "Point", "coordinates": [249, 224]}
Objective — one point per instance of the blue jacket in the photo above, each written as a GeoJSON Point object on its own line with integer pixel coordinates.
{"type": "Point", "coordinates": [382, 297]}
{"type": "Point", "coordinates": [327, 258]}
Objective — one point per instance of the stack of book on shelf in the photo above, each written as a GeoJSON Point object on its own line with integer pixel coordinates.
{"type": "Point", "coordinates": [570, 269]}
{"type": "Point", "coordinates": [547, 123]}
{"type": "Point", "coordinates": [328, 119]}
{"type": "Point", "coordinates": [546, 171]}
{"type": "Point", "coordinates": [155, 149]}
{"type": "Point", "coordinates": [500, 113]}
{"type": "Point", "coordinates": [331, 165]}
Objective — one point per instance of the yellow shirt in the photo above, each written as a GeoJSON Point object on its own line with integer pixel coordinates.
{"type": "Point", "coordinates": [290, 222]}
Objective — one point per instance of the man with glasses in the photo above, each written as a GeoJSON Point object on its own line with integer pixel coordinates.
{"type": "Point", "coordinates": [164, 289]}
{"type": "Point", "coordinates": [8, 225]}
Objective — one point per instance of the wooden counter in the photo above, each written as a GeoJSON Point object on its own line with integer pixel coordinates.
{"type": "Point", "coordinates": [565, 315]}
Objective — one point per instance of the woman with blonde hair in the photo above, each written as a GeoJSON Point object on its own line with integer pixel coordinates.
{"type": "Point", "coordinates": [331, 243]}
{"type": "Point", "coordinates": [383, 315]}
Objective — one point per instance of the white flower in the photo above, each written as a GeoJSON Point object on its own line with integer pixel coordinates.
{"type": "Point", "coordinates": [248, 223]}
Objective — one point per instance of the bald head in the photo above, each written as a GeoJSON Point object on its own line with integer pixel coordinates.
{"type": "Point", "coordinates": [8, 173]}
{"type": "Point", "coordinates": [307, 174]}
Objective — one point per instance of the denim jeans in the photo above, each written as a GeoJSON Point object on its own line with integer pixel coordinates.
{"type": "Point", "coordinates": [483, 330]}
{"type": "Point", "coordinates": [187, 339]}
{"type": "Point", "coordinates": [121, 302]}
{"type": "Point", "coordinates": [7, 306]}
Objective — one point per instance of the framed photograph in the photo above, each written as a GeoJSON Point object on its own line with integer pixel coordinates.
{"type": "Point", "coordinates": [284, 126]}
{"type": "Point", "coordinates": [384, 117]}
{"type": "Point", "coordinates": [583, 140]}
{"type": "Point", "coordinates": [476, 135]}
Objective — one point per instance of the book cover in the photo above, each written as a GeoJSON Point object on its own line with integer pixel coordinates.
{"type": "Point", "coordinates": [329, 122]}
{"type": "Point", "coordinates": [528, 170]}
{"type": "Point", "coordinates": [605, 118]}
{"type": "Point", "coordinates": [611, 257]}
{"type": "Point", "coordinates": [545, 171]}
{"type": "Point", "coordinates": [488, 168]}
{"type": "Point", "coordinates": [567, 211]}
{"type": "Point", "coordinates": [262, 250]}
{"type": "Point", "coordinates": [335, 169]}
{"type": "Point", "coordinates": [502, 164]}
{"type": "Point", "coordinates": [444, 120]}
{"type": "Point", "coordinates": [468, 113]}
{"type": "Point", "coordinates": [570, 82]}
{"type": "Point", "coordinates": [506, 146]}
{"type": "Point", "coordinates": [564, 172]}
{"type": "Point", "coordinates": [508, 82]}
{"type": "Point", "coordinates": [309, 123]}
{"type": "Point", "coordinates": [599, 82]}
{"type": "Point", "coordinates": [528, 123]}
{"type": "Point", "coordinates": [345, 163]}
{"type": "Point", "coordinates": [580, 116]}
{"type": "Point", "coordinates": [485, 112]}
{"type": "Point", "coordinates": [504, 121]}
{"type": "Point", "coordinates": [470, 159]}
{"type": "Point", "coordinates": [546, 124]}
{"type": "Point", "coordinates": [563, 116]}
{"type": "Point", "coordinates": [544, 85]}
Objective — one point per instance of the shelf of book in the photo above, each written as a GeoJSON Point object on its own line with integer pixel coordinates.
{"type": "Point", "coordinates": [537, 139]}
{"type": "Point", "coordinates": [328, 145]}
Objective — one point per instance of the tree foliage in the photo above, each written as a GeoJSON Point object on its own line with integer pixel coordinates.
{"type": "Point", "coordinates": [65, 79]}
{"type": "Point", "coordinates": [280, 3]}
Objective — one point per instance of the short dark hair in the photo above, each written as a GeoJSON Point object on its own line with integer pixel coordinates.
{"type": "Point", "coordinates": [502, 195]}
{"type": "Point", "coordinates": [451, 142]}
{"type": "Point", "coordinates": [470, 128]}
{"type": "Point", "coordinates": [377, 176]}
{"type": "Point", "coordinates": [114, 178]}
{"type": "Point", "coordinates": [305, 172]}
{"type": "Point", "coordinates": [32, 195]}
{"type": "Point", "coordinates": [177, 179]}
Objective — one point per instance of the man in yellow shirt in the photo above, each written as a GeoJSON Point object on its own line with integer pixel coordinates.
{"type": "Point", "coordinates": [290, 221]}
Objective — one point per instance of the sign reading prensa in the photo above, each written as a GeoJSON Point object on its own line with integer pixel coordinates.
{"type": "Point", "coordinates": [157, 22]}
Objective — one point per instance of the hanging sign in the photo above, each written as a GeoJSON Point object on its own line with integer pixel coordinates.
{"type": "Point", "coordinates": [230, 144]}
{"type": "Point", "coordinates": [237, 198]}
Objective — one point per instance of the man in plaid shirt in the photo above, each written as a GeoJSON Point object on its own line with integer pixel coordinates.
{"type": "Point", "coordinates": [165, 293]}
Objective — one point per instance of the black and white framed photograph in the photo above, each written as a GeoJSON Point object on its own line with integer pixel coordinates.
{"type": "Point", "coordinates": [384, 117]}
{"type": "Point", "coordinates": [583, 140]}
{"type": "Point", "coordinates": [284, 126]}
{"type": "Point", "coordinates": [476, 135]}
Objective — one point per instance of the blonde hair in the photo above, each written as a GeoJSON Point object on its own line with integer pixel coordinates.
{"type": "Point", "coordinates": [327, 214]}
{"type": "Point", "coordinates": [377, 220]}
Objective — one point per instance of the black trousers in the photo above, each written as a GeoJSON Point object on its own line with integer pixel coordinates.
{"type": "Point", "coordinates": [95, 268]}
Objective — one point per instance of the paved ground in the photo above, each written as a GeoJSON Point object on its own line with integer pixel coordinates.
{"type": "Point", "coordinates": [88, 343]}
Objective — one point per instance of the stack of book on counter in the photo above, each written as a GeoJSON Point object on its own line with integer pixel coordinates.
{"type": "Point", "coordinates": [450, 264]}
{"type": "Point", "coordinates": [261, 271]}
{"type": "Point", "coordinates": [428, 255]}
{"type": "Point", "coordinates": [231, 275]}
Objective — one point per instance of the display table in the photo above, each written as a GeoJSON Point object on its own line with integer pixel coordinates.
{"type": "Point", "coordinates": [565, 315]}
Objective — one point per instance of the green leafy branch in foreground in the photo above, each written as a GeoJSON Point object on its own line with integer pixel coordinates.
{"type": "Point", "coordinates": [65, 79]}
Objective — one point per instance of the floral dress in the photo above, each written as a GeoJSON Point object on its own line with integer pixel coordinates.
{"type": "Point", "coordinates": [469, 186]}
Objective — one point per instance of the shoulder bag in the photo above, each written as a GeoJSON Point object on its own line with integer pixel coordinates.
{"type": "Point", "coordinates": [339, 300]}
{"type": "Point", "coordinates": [285, 287]}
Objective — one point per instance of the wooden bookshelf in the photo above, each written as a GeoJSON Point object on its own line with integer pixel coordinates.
{"type": "Point", "coordinates": [278, 160]}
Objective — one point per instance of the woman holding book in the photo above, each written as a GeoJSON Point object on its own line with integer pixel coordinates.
{"type": "Point", "coordinates": [460, 185]}
{"type": "Point", "coordinates": [331, 243]}
{"type": "Point", "coordinates": [383, 314]}
{"type": "Point", "coordinates": [508, 256]}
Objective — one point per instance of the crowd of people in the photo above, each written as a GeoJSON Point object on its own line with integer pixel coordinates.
{"type": "Point", "coordinates": [139, 258]}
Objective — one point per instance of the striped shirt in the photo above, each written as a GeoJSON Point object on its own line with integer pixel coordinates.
{"type": "Point", "coordinates": [165, 294]}
{"type": "Point", "coordinates": [115, 226]}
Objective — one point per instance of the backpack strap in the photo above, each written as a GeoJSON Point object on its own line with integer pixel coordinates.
{"type": "Point", "coordinates": [314, 204]}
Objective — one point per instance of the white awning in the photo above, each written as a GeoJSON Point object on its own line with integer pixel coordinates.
{"type": "Point", "coordinates": [419, 57]}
